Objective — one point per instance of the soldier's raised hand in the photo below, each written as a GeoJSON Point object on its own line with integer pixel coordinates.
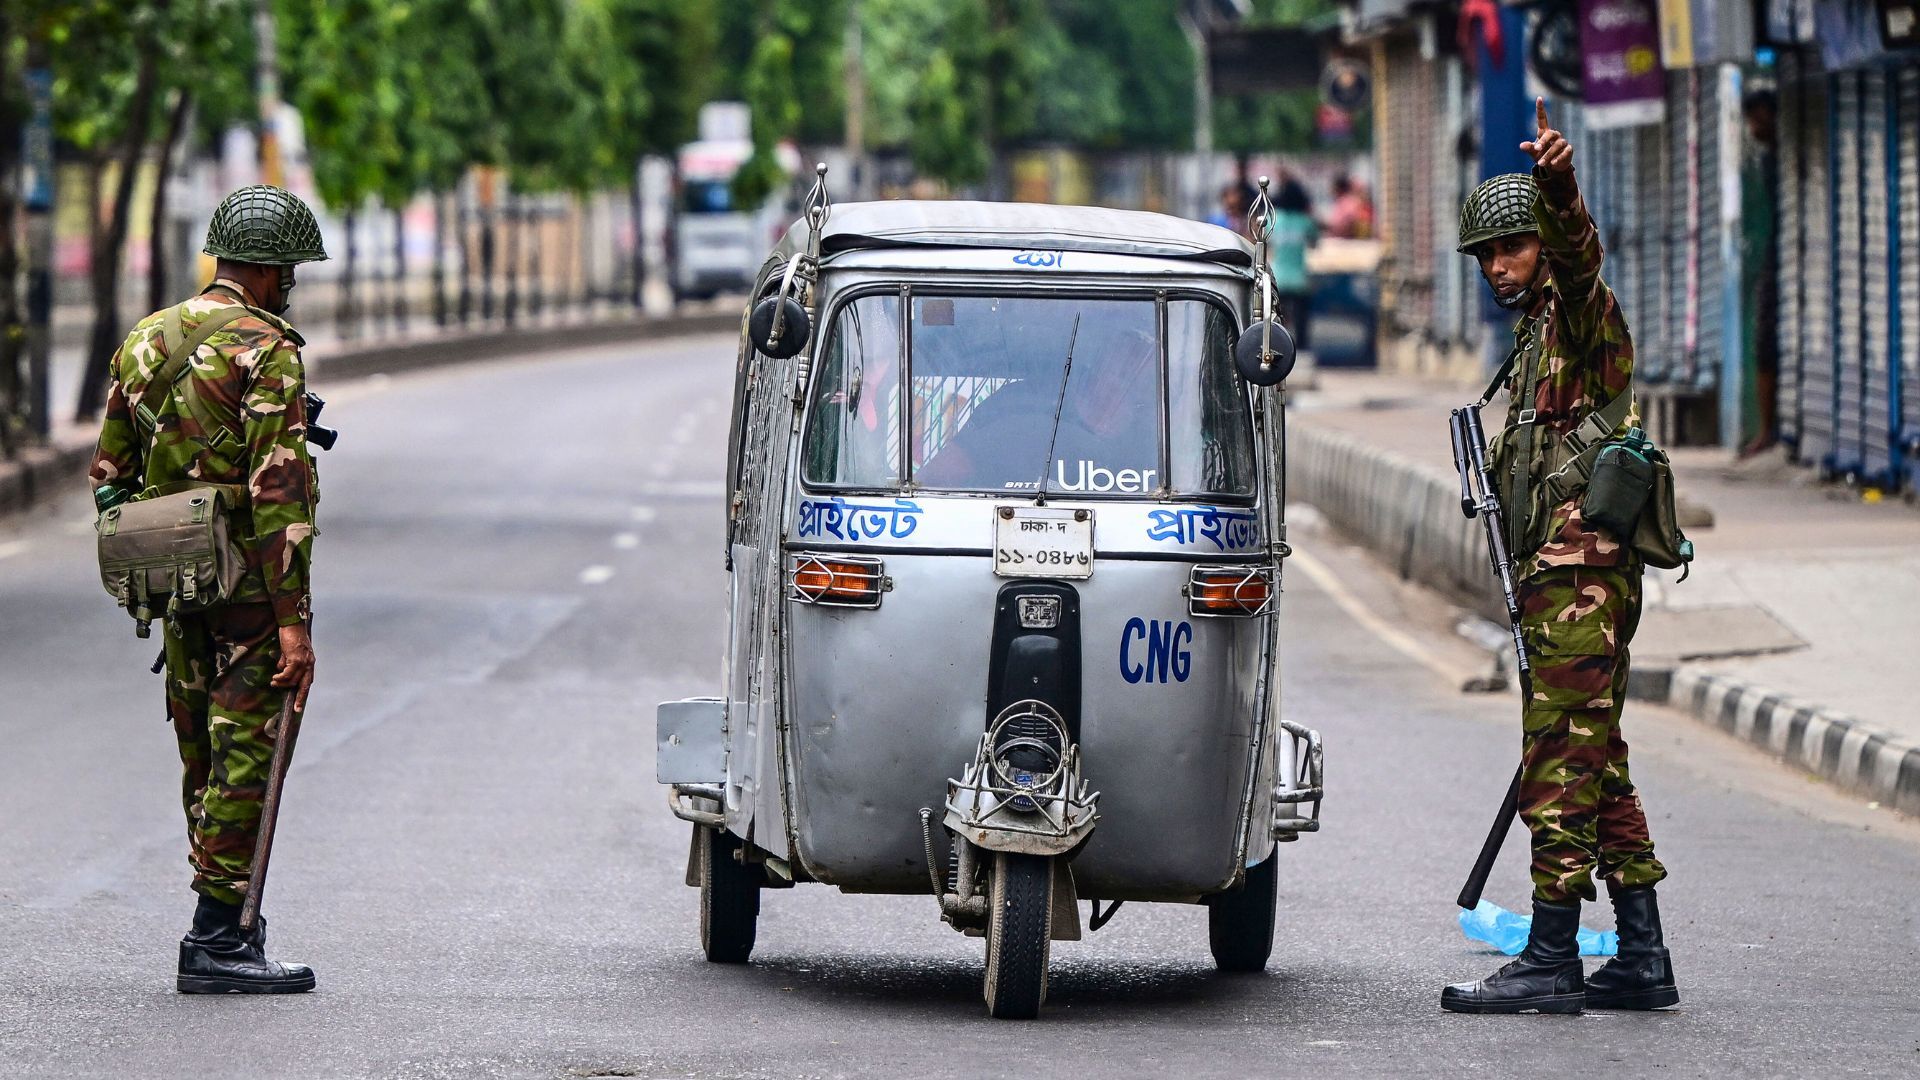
{"type": "Point", "coordinates": [1549, 149]}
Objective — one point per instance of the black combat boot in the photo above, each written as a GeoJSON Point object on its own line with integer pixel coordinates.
{"type": "Point", "coordinates": [1640, 976]}
{"type": "Point", "coordinates": [217, 957]}
{"type": "Point", "coordinates": [1545, 977]}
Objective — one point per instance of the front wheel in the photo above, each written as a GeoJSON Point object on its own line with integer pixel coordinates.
{"type": "Point", "coordinates": [729, 898]}
{"type": "Point", "coordinates": [1019, 935]}
{"type": "Point", "coordinates": [1240, 921]}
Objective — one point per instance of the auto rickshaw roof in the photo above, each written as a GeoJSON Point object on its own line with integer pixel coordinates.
{"type": "Point", "coordinates": [1021, 226]}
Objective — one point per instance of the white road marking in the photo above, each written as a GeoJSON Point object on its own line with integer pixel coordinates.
{"type": "Point", "coordinates": [644, 514]}
{"type": "Point", "coordinates": [1360, 613]}
{"type": "Point", "coordinates": [626, 541]}
{"type": "Point", "coordinates": [15, 547]}
{"type": "Point", "coordinates": [596, 575]}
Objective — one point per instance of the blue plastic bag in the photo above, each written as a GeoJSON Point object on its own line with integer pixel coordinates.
{"type": "Point", "coordinates": [1507, 931]}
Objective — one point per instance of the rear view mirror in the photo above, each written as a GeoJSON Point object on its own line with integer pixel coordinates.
{"type": "Point", "coordinates": [1264, 353]}
{"type": "Point", "coordinates": [794, 328]}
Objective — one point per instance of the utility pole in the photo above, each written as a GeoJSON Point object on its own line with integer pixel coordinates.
{"type": "Point", "coordinates": [39, 206]}
{"type": "Point", "coordinates": [1196, 31]}
{"type": "Point", "coordinates": [855, 77]}
{"type": "Point", "coordinates": [266, 79]}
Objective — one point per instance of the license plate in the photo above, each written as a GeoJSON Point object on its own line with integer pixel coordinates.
{"type": "Point", "coordinates": [1040, 541]}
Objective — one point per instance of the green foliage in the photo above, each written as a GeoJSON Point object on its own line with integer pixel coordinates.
{"type": "Point", "coordinates": [791, 82]}
{"type": "Point", "coordinates": [565, 94]}
{"type": "Point", "coordinates": [950, 80]}
{"type": "Point", "coordinates": [339, 67]}
{"type": "Point", "coordinates": [943, 137]}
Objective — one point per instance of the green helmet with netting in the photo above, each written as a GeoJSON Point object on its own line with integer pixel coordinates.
{"type": "Point", "coordinates": [266, 226]}
{"type": "Point", "coordinates": [1500, 206]}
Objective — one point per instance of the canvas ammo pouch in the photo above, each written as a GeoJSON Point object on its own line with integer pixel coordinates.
{"type": "Point", "coordinates": [172, 550]}
{"type": "Point", "coordinates": [173, 553]}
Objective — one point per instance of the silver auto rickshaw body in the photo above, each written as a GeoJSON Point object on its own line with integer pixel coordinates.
{"type": "Point", "coordinates": [871, 607]}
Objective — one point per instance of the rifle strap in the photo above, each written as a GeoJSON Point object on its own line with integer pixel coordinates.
{"type": "Point", "coordinates": [1500, 376]}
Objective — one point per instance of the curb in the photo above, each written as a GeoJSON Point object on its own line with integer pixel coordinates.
{"type": "Point", "coordinates": [42, 472]}
{"type": "Point", "coordinates": [1409, 517]}
{"type": "Point", "coordinates": [1832, 745]}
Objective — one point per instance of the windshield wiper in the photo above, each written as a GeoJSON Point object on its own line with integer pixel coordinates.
{"type": "Point", "coordinates": [1059, 404]}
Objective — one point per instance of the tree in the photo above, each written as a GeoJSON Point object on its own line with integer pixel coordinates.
{"type": "Point", "coordinates": [105, 88]}
{"type": "Point", "coordinates": [791, 83]}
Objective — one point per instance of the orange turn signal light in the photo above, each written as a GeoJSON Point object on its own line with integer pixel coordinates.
{"type": "Point", "coordinates": [844, 581]}
{"type": "Point", "coordinates": [1242, 591]}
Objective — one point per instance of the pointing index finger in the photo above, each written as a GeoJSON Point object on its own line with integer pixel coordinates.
{"type": "Point", "coordinates": [1540, 113]}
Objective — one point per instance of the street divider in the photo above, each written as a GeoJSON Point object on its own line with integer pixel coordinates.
{"type": "Point", "coordinates": [41, 474]}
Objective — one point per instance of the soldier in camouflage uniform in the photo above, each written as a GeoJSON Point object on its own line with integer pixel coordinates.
{"type": "Point", "coordinates": [230, 668]}
{"type": "Point", "coordinates": [1579, 592]}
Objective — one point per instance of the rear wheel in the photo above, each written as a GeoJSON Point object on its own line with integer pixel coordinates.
{"type": "Point", "coordinates": [1019, 935]}
{"type": "Point", "coordinates": [729, 898]}
{"type": "Point", "coordinates": [1240, 921]}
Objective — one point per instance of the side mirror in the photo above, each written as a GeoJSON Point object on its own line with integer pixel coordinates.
{"type": "Point", "coordinates": [1264, 353]}
{"type": "Point", "coordinates": [794, 328]}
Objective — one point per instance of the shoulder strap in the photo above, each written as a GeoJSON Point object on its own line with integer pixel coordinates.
{"type": "Point", "coordinates": [1585, 441]}
{"type": "Point", "coordinates": [177, 350]}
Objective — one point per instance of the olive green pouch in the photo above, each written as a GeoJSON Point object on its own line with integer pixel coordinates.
{"type": "Point", "coordinates": [1620, 485]}
{"type": "Point", "coordinates": [1656, 536]}
{"type": "Point", "coordinates": [172, 553]}
{"type": "Point", "coordinates": [1630, 494]}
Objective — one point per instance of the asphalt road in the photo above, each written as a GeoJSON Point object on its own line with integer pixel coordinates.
{"type": "Point", "coordinates": [519, 559]}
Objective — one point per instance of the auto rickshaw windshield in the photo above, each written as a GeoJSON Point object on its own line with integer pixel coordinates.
{"type": "Point", "coordinates": [1013, 393]}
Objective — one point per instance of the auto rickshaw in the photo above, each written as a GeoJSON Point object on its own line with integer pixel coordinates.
{"type": "Point", "coordinates": [1005, 537]}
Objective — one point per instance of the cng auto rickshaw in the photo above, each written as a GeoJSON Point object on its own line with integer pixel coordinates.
{"type": "Point", "coordinates": [1005, 535]}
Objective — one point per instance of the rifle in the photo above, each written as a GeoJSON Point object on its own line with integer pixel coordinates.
{"type": "Point", "coordinates": [287, 727]}
{"type": "Point", "coordinates": [1478, 498]}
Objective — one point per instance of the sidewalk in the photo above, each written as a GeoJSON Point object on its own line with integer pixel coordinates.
{"type": "Point", "coordinates": [1796, 628]}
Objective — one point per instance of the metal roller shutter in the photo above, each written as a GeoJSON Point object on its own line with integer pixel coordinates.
{"type": "Point", "coordinates": [1427, 137]}
{"type": "Point", "coordinates": [1710, 299]}
{"type": "Point", "coordinates": [1786, 316]}
{"type": "Point", "coordinates": [1875, 418]}
{"type": "Point", "coordinates": [1654, 346]}
{"type": "Point", "coordinates": [1452, 287]}
{"type": "Point", "coordinates": [1849, 248]}
{"type": "Point", "coordinates": [1791, 140]}
{"type": "Point", "coordinates": [1906, 255]}
{"type": "Point", "coordinates": [1819, 287]}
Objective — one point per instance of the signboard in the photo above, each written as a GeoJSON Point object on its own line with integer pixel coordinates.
{"type": "Point", "coordinates": [1263, 59]}
{"type": "Point", "coordinates": [1620, 71]}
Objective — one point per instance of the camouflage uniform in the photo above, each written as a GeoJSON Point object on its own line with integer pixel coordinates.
{"type": "Point", "coordinates": [1580, 592]}
{"type": "Point", "coordinates": [219, 662]}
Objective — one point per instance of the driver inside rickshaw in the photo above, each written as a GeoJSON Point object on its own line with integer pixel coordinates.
{"type": "Point", "coordinates": [1107, 436]}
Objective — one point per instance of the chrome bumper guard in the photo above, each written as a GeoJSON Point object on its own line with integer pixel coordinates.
{"type": "Point", "coordinates": [1306, 786]}
{"type": "Point", "coordinates": [689, 802]}
{"type": "Point", "coordinates": [1001, 808]}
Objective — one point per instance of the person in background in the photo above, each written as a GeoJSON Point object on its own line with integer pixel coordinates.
{"type": "Point", "coordinates": [1760, 267]}
{"type": "Point", "coordinates": [1294, 231]}
{"type": "Point", "coordinates": [1232, 211]}
{"type": "Point", "coordinates": [1352, 217]}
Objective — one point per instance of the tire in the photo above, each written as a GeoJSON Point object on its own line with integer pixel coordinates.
{"type": "Point", "coordinates": [729, 898]}
{"type": "Point", "coordinates": [1240, 920]}
{"type": "Point", "coordinates": [1019, 935]}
